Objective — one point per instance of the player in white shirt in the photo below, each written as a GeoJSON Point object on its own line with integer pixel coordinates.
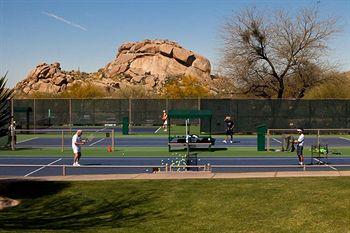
{"type": "Point", "coordinates": [300, 146]}
{"type": "Point", "coordinates": [77, 142]}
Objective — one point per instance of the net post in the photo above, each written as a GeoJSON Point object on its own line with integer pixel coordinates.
{"type": "Point", "coordinates": [268, 140]}
{"type": "Point", "coordinates": [64, 170]}
{"type": "Point", "coordinates": [208, 167]}
{"type": "Point", "coordinates": [318, 138]}
{"type": "Point", "coordinates": [113, 143]}
{"type": "Point", "coordinates": [166, 167]}
{"type": "Point", "coordinates": [304, 167]}
{"type": "Point", "coordinates": [62, 141]}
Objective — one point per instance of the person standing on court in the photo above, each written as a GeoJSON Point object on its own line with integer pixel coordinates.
{"type": "Point", "coordinates": [300, 146]}
{"type": "Point", "coordinates": [229, 129]}
{"type": "Point", "coordinates": [12, 129]}
{"type": "Point", "coordinates": [165, 120]}
{"type": "Point", "coordinates": [77, 142]}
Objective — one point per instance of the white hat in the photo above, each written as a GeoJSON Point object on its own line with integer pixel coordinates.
{"type": "Point", "coordinates": [299, 130]}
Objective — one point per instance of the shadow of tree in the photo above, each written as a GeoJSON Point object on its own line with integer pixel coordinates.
{"type": "Point", "coordinates": [28, 189]}
{"type": "Point", "coordinates": [78, 212]}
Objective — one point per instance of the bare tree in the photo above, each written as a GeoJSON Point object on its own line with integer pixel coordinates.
{"type": "Point", "coordinates": [269, 55]}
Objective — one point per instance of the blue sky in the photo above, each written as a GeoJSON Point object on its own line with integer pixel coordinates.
{"type": "Point", "coordinates": [85, 34]}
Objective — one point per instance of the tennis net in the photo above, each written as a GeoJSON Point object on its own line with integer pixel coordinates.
{"type": "Point", "coordinates": [282, 139]}
{"type": "Point", "coordinates": [62, 138]}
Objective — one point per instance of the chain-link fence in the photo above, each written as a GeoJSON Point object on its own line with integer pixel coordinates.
{"type": "Point", "coordinates": [247, 113]}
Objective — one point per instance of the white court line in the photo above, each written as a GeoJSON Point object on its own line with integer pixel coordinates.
{"type": "Point", "coordinates": [277, 140]}
{"type": "Point", "coordinates": [101, 129]}
{"type": "Point", "coordinates": [27, 140]}
{"type": "Point", "coordinates": [96, 142]}
{"type": "Point", "coordinates": [347, 139]}
{"type": "Point", "coordinates": [326, 164]}
{"type": "Point", "coordinates": [42, 167]}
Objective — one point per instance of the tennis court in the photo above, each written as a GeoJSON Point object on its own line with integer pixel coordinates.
{"type": "Point", "coordinates": [57, 166]}
{"type": "Point", "coordinates": [48, 153]}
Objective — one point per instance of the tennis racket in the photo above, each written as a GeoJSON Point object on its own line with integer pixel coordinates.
{"type": "Point", "coordinates": [158, 129]}
{"type": "Point", "coordinates": [89, 137]}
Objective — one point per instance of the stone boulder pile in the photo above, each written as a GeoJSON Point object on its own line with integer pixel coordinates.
{"type": "Point", "coordinates": [150, 62]}
{"type": "Point", "coordinates": [45, 78]}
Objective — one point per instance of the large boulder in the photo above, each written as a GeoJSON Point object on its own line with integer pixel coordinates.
{"type": "Point", "coordinates": [8, 202]}
{"type": "Point", "coordinates": [157, 59]}
{"type": "Point", "coordinates": [44, 78]}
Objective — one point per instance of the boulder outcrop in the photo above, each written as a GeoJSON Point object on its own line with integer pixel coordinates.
{"type": "Point", "coordinates": [154, 61]}
{"type": "Point", "coordinates": [147, 63]}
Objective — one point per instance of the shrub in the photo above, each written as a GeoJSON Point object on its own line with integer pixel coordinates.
{"type": "Point", "coordinates": [185, 87]}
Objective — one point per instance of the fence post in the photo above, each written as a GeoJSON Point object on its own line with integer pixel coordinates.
{"type": "Point", "coordinates": [70, 115]}
{"type": "Point", "coordinates": [62, 139]}
{"type": "Point", "coordinates": [129, 112]}
{"type": "Point", "coordinates": [199, 108]}
{"type": "Point", "coordinates": [113, 140]}
{"type": "Point", "coordinates": [64, 170]}
{"type": "Point", "coordinates": [268, 140]}
{"type": "Point", "coordinates": [318, 138]}
{"type": "Point", "coordinates": [12, 131]}
{"type": "Point", "coordinates": [166, 167]}
{"type": "Point", "coordinates": [34, 115]}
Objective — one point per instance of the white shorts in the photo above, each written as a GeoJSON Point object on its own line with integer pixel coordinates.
{"type": "Point", "coordinates": [76, 150]}
{"type": "Point", "coordinates": [165, 122]}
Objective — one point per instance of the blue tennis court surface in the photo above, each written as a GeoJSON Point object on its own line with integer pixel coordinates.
{"type": "Point", "coordinates": [38, 141]}
{"type": "Point", "coordinates": [10, 166]}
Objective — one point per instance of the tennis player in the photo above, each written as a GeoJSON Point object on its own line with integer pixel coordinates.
{"type": "Point", "coordinates": [300, 146]}
{"type": "Point", "coordinates": [77, 142]}
{"type": "Point", "coordinates": [229, 129]}
{"type": "Point", "coordinates": [165, 120]}
{"type": "Point", "coordinates": [12, 129]}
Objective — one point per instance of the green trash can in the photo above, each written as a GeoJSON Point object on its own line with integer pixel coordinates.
{"type": "Point", "coordinates": [261, 130]}
{"type": "Point", "coordinates": [125, 128]}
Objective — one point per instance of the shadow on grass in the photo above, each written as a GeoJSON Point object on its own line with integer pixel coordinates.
{"type": "Point", "coordinates": [20, 149]}
{"type": "Point", "coordinates": [75, 211]}
{"type": "Point", "coordinates": [29, 189]}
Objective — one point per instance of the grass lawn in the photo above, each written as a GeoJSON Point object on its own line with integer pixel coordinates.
{"type": "Point", "coordinates": [159, 152]}
{"type": "Point", "coordinates": [236, 205]}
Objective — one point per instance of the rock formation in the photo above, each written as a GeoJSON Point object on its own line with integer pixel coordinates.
{"type": "Point", "coordinates": [150, 62]}
{"type": "Point", "coordinates": [147, 63]}
{"type": "Point", "coordinates": [45, 78]}
{"type": "Point", "coordinates": [7, 202]}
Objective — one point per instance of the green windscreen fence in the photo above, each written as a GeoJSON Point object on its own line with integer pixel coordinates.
{"type": "Point", "coordinates": [247, 113]}
{"type": "Point", "coordinates": [5, 118]}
